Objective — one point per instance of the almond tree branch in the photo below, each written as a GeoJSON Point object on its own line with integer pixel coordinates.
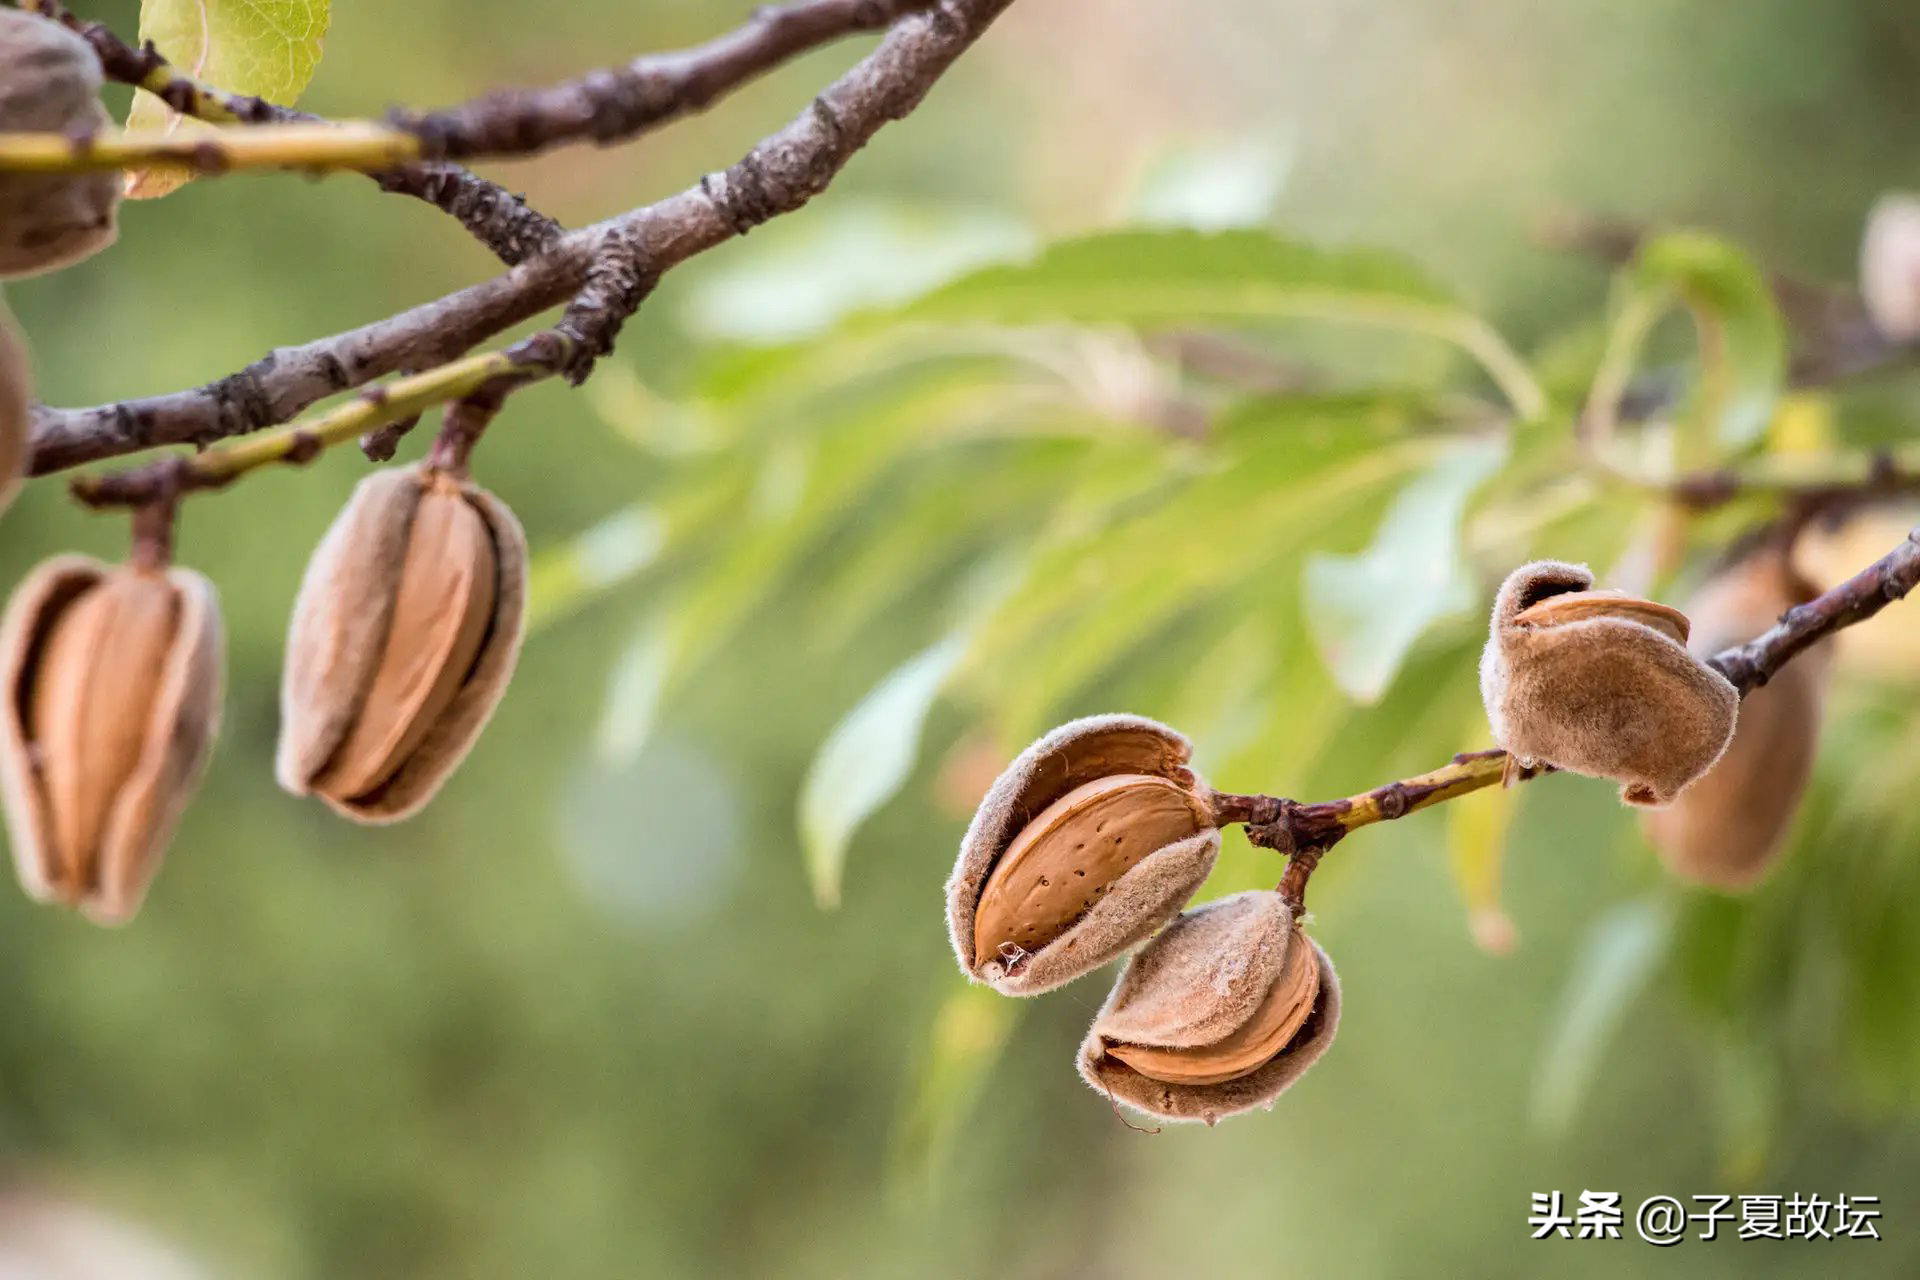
{"type": "Point", "coordinates": [495, 216]}
{"type": "Point", "coordinates": [1807, 483]}
{"type": "Point", "coordinates": [1305, 832]}
{"type": "Point", "coordinates": [619, 102]}
{"type": "Point", "coordinates": [473, 387]}
{"type": "Point", "coordinates": [605, 106]}
{"type": "Point", "coordinates": [779, 175]}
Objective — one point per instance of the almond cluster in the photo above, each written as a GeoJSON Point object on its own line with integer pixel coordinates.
{"type": "Point", "coordinates": [1092, 840]}
{"type": "Point", "coordinates": [404, 637]}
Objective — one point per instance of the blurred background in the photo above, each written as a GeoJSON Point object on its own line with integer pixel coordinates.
{"type": "Point", "coordinates": [595, 1013]}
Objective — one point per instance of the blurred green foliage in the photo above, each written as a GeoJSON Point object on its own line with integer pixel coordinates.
{"type": "Point", "coordinates": [894, 466]}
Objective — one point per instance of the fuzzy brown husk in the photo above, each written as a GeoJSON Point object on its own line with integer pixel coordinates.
{"type": "Point", "coordinates": [178, 738]}
{"type": "Point", "coordinates": [340, 629]}
{"type": "Point", "coordinates": [1140, 901]}
{"type": "Point", "coordinates": [1195, 984]}
{"type": "Point", "coordinates": [1607, 697]}
{"type": "Point", "coordinates": [50, 82]}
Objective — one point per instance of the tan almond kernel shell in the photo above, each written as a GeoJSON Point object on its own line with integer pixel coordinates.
{"type": "Point", "coordinates": [1136, 903]}
{"type": "Point", "coordinates": [1273, 1025]}
{"type": "Point", "coordinates": [1064, 861]}
{"type": "Point", "coordinates": [91, 700]}
{"type": "Point", "coordinates": [340, 622]}
{"type": "Point", "coordinates": [370, 582]}
{"type": "Point", "coordinates": [111, 680]}
{"type": "Point", "coordinates": [1201, 983]}
{"type": "Point", "coordinates": [443, 608]}
{"type": "Point", "coordinates": [1578, 606]}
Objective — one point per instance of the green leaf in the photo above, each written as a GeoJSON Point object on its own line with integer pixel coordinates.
{"type": "Point", "coordinates": [1182, 277]}
{"type": "Point", "coordinates": [964, 1045]}
{"type": "Point", "coordinates": [634, 693]}
{"type": "Point", "coordinates": [946, 510]}
{"type": "Point", "coordinates": [1367, 611]}
{"type": "Point", "coordinates": [799, 275]}
{"type": "Point", "coordinates": [1610, 972]}
{"type": "Point", "coordinates": [1098, 592]}
{"type": "Point", "coordinates": [1478, 826]}
{"type": "Point", "coordinates": [266, 48]}
{"type": "Point", "coordinates": [1743, 345]}
{"type": "Point", "coordinates": [1742, 339]}
{"type": "Point", "coordinates": [865, 760]}
{"type": "Point", "coordinates": [1745, 1097]}
{"type": "Point", "coordinates": [623, 544]}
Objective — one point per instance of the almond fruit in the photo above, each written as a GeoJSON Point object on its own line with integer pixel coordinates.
{"type": "Point", "coordinates": [112, 698]}
{"type": "Point", "coordinates": [1601, 683]}
{"type": "Point", "coordinates": [1089, 841]}
{"type": "Point", "coordinates": [1727, 829]}
{"type": "Point", "coordinates": [405, 634]}
{"type": "Point", "coordinates": [50, 83]}
{"type": "Point", "coordinates": [1219, 1014]}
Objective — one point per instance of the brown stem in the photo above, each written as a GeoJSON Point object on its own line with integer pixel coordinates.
{"type": "Point", "coordinates": [1305, 832]}
{"type": "Point", "coordinates": [616, 103]}
{"type": "Point", "coordinates": [153, 523]}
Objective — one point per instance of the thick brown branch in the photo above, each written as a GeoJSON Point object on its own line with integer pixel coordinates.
{"type": "Point", "coordinates": [778, 176]}
{"type": "Point", "coordinates": [1890, 578]}
{"type": "Point", "coordinates": [495, 216]}
{"type": "Point", "coordinates": [1305, 832]}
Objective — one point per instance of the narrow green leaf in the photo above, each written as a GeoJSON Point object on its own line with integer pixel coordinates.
{"type": "Point", "coordinates": [1743, 345]}
{"type": "Point", "coordinates": [1176, 276]}
{"type": "Point", "coordinates": [799, 275]}
{"type": "Point", "coordinates": [1478, 825]}
{"type": "Point", "coordinates": [865, 760]}
{"type": "Point", "coordinates": [1096, 594]}
{"type": "Point", "coordinates": [1610, 972]}
{"type": "Point", "coordinates": [634, 693]}
{"type": "Point", "coordinates": [1367, 611]}
{"type": "Point", "coordinates": [1742, 341]}
{"type": "Point", "coordinates": [963, 1047]}
{"type": "Point", "coordinates": [267, 48]}
{"type": "Point", "coordinates": [612, 551]}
